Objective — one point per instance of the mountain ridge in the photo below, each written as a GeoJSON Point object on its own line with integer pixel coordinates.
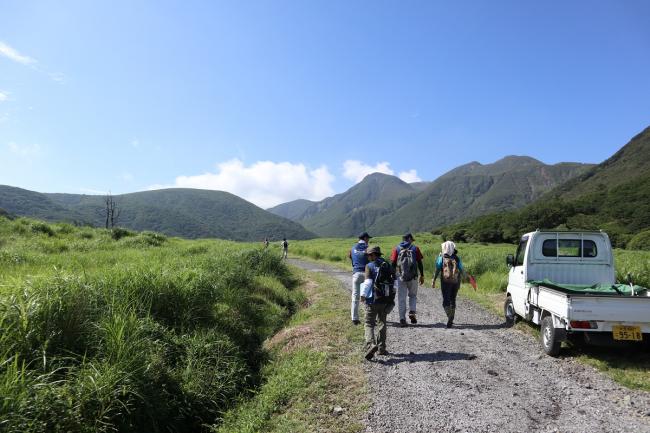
{"type": "Point", "coordinates": [184, 212]}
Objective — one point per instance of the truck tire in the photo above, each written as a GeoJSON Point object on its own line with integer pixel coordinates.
{"type": "Point", "coordinates": [509, 312]}
{"type": "Point", "coordinates": [549, 338]}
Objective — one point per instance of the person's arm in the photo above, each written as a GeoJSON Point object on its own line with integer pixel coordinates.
{"type": "Point", "coordinates": [463, 273]}
{"type": "Point", "coordinates": [435, 276]}
{"type": "Point", "coordinates": [419, 257]}
{"type": "Point", "coordinates": [366, 285]}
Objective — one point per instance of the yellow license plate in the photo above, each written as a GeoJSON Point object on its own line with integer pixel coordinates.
{"type": "Point", "coordinates": [622, 332]}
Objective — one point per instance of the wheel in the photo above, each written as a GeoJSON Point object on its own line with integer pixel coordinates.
{"type": "Point", "coordinates": [549, 337]}
{"type": "Point", "coordinates": [509, 312]}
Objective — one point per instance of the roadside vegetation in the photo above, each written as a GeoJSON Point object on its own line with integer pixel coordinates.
{"type": "Point", "coordinates": [315, 382]}
{"type": "Point", "coordinates": [630, 367]}
{"type": "Point", "coordinates": [112, 330]}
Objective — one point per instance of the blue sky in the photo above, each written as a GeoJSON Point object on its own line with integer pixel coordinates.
{"type": "Point", "coordinates": [277, 100]}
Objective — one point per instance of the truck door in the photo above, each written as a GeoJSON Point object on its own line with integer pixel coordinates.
{"type": "Point", "coordinates": [517, 278]}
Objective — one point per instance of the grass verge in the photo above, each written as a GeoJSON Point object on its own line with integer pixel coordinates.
{"type": "Point", "coordinates": [316, 367]}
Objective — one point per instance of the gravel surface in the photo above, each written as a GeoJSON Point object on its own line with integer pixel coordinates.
{"type": "Point", "coordinates": [482, 377]}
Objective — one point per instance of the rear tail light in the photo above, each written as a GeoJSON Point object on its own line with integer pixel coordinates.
{"type": "Point", "coordinates": [583, 324]}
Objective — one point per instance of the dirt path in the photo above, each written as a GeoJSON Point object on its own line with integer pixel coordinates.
{"type": "Point", "coordinates": [481, 377]}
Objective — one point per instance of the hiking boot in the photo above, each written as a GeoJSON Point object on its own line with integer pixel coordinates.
{"type": "Point", "coordinates": [370, 353]}
{"type": "Point", "coordinates": [413, 318]}
{"type": "Point", "coordinates": [402, 323]}
{"type": "Point", "coordinates": [382, 352]}
{"type": "Point", "coordinates": [356, 322]}
{"type": "Point", "coordinates": [450, 322]}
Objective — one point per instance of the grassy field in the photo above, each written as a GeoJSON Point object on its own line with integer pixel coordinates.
{"type": "Point", "coordinates": [116, 331]}
{"type": "Point", "coordinates": [487, 262]}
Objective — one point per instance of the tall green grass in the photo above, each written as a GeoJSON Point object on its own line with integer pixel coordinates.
{"type": "Point", "coordinates": [132, 332]}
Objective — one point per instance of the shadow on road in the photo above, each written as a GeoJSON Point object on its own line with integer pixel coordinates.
{"type": "Point", "coordinates": [440, 325]}
{"type": "Point", "coordinates": [440, 356]}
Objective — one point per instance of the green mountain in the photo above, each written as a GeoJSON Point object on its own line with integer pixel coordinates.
{"type": "Point", "coordinates": [356, 210]}
{"type": "Point", "coordinates": [475, 189]}
{"type": "Point", "coordinates": [613, 196]}
{"type": "Point", "coordinates": [384, 204]}
{"type": "Point", "coordinates": [188, 213]}
{"type": "Point", "coordinates": [292, 210]}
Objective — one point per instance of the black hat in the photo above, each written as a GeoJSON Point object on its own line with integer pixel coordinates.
{"type": "Point", "coordinates": [364, 235]}
{"type": "Point", "coordinates": [408, 236]}
{"type": "Point", "coordinates": [374, 250]}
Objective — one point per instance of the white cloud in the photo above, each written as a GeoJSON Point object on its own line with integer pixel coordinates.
{"type": "Point", "coordinates": [25, 150]}
{"type": "Point", "coordinates": [410, 176]}
{"type": "Point", "coordinates": [3, 96]}
{"type": "Point", "coordinates": [356, 170]}
{"type": "Point", "coordinates": [14, 55]}
{"type": "Point", "coordinates": [135, 143]}
{"type": "Point", "coordinates": [264, 183]}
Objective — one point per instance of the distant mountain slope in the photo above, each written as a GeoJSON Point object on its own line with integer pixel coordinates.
{"type": "Point", "coordinates": [187, 213]}
{"type": "Point", "coordinates": [626, 165]}
{"type": "Point", "coordinates": [475, 189]}
{"type": "Point", "coordinates": [355, 210]}
{"type": "Point", "coordinates": [292, 210]}
{"type": "Point", "coordinates": [384, 204]}
{"type": "Point", "coordinates": [614, 196]}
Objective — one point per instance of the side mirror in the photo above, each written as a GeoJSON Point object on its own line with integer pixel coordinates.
{"type": "Point", "coordinates": [510, 260]}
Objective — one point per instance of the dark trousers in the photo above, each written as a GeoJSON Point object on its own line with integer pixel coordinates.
{"type": "Point", "coordinates": [449, 293]}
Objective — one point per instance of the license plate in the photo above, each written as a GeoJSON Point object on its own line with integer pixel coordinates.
{"type": "Point", "coordinates": [622, 332]}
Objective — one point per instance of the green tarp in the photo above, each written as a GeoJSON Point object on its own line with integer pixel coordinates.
{"type": "Point", "coordinates": [595, 289]}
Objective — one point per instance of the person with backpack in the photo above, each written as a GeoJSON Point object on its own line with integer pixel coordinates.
{"type": "Point", "coordinates": [450, 268]}
{"type": "Point", "coordinates": [378, 293]}
{"type": "Point", "coordinates": [359, 259]}
{"type": "Point", "coordinates": [407, 262]}
{"type": "Point", "coordinates": [285, 248]}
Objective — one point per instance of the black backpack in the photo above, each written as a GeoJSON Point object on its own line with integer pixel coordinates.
{"type": "Point", "coordinates": [384, 284]}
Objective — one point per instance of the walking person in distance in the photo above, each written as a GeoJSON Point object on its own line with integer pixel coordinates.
{"type": "Point", "coordinates": [378, 294]}
{"type": "Point", "coordinates": [359, 259]}
{"type": "Point", "coordinates": [450, 268]}
{"type": "Point", "coordinates": [285, 248]}
{"type": "Point", "coordinates": [407, 262]}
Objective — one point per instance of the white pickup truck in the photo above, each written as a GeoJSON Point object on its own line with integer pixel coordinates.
{"type": "Point", "coordinates": [565, 282]}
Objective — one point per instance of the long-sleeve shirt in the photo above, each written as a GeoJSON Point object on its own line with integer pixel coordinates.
{"type": "Point", "coordinates": [418, 255]}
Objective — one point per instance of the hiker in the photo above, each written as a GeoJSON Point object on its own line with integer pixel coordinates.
{"type": "Point", "coordinates": [378, 293]}
{"type": "Point", "coordinates": [266, 243]}
{"type": "Point", "coordinates": [407, 262]}
{"type": "Point", "coordinates": [450, 268]}
{"type": "Point", "coordinates": [285, 248]}
{"type": "Point", "coordinates": [359, 261]}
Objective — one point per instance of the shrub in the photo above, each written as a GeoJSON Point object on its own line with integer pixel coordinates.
{"type": "Point", "coordinates": [42, 228]}
{"type": "Point", "coordinates": [640, 241]}
{"type": "Point", "coordinates": [118, 233]}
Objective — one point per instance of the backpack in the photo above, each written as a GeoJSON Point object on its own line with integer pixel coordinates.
{"type": "Point", "coordinates": [383, 285]}
{"type": "Point", "coordinates": [285, 244]}
{"type": "Point", "coordinates": [450, 271]}
{"type": "Point", "coordinates": [406, 264]}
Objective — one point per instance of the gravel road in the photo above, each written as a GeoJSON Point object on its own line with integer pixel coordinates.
{"type": "Point", "coordinates": [482, 377]}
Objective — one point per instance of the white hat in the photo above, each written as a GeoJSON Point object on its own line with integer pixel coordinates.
{"type": "Point", "coordinates": [448, 248]}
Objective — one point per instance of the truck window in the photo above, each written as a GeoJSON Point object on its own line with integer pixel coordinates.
{"type": "Point", "coordinates": [569, 248]}
{"type": "Point", "coordinates": [521, 251]}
